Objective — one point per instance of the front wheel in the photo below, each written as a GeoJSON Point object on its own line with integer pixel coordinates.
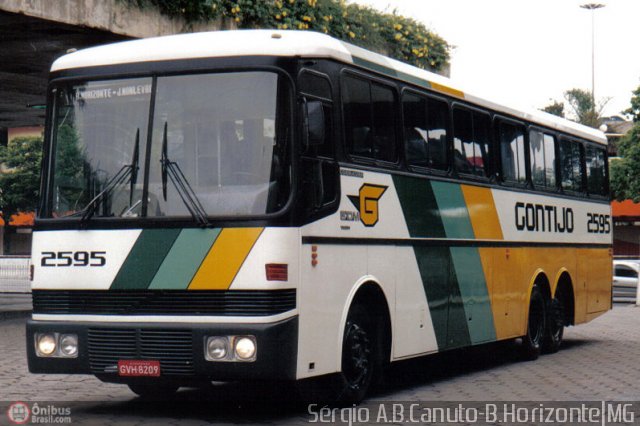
{"type": "Point", "coordinates": [532, 341]}
{"type": "Point", "coordinates": [361, 359]}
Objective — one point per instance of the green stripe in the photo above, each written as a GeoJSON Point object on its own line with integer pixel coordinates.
{"type": "Point", "coordinates": [475, 297]}
{"type": "Point", "coordinates": [466, 262]}
{"type": "Point", "coordinates": [438, 275]}
{"type": "Point", "coordinates": [390, 72]}
{"type": "Point", "coordinates": [453, 210]}
{"type": "Point", "coordinates": [184, 259]}
{"type": "Point", "coordinates": [445, 302]}
{"type": "Point", "coordinates": [144, 259]}
{"type": "Point", "coordinates": [419, 207]}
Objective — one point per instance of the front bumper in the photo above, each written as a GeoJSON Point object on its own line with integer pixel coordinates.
{"type": "Point", "coordinates": [178, 347]}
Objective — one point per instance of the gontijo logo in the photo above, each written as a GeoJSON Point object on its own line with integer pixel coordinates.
{"type": "Point", "coordinates": [367, 202]}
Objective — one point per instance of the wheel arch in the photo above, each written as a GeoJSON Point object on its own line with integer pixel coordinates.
{"type": "Point", "coordinates": [564, 289]}
{"type": "Point", "coordinates": [369, 291]}
{"type": "Point", "coordinates": [540, 278]}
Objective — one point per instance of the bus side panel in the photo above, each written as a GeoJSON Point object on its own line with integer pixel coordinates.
{"type": "Point", "coordinates": [599, 269]}
{"type": "Point", "coordinates": [324, 289]}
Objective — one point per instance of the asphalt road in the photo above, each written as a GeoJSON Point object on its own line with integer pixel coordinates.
{"type": "Point", "coordinates": [599, 361]}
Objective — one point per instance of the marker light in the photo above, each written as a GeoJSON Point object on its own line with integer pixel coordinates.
{"type": "Point", "coordinates": [277, 271]}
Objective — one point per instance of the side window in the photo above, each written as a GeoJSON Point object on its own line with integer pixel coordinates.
{"type": "Point", "coordinates": [512, 152]}
{"type": "Point", "coordinates": [471, 142]}
{"type": "Point", "coordinates": [369, 119]}
{"type": "Point", "coordinates": [425, 131]}
{"type": "Point", "coordinates": [315, 86]}
{"type": "Point", "coordinates": [570, 165]}
{"type": "Point", "coordinates": [596, 171]}
{"type": "Point", "coordinates": [384, 123]}
{"type": "Point", "coordinates": [543, 159]}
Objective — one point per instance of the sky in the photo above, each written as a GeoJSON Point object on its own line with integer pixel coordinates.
{"type": "Point", "coordinates": [526, 53]}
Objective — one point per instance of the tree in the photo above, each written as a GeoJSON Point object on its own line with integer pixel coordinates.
{"type": "Point", "coordinates": [555, 108]}
{"type": "Point", "coordinates": [582, 107]}
{"type": "Point", "coordinates": [624, 172]}
{"type": "Point", "coordinates": [635, 106]}
{"type": "Point", "coordinates": [20, 181]}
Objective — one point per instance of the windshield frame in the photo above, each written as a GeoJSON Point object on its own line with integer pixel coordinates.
{"type": "Point", "coordinates": [285, 118]}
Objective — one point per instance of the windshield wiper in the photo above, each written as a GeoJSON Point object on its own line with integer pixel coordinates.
{"type": "Point", "coordinates": [172, 170]}
{"type": "Point", "coordinates": [128, 171]}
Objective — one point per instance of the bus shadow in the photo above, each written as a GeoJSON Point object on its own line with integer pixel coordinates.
{"type": "Point", "coordinates": [270, 402]}
{"type": "Point", "coordinates": [448, 365]}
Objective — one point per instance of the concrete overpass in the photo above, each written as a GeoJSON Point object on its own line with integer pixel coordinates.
{"type": "Point", "coordinates": [33, 33]}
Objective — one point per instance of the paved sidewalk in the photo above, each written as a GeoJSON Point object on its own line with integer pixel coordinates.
{"type": "Point", "coordinates": [15, 305]}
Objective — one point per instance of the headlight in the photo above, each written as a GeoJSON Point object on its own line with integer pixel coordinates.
{"type": "Point", "coordinates": [56, 345]}
{"type": "Point", "coordinates": [217, 348]}
{"type": "Point", "coordinates": [245, 348]}
{"type": "Point", "coordinates": [46, 344]}
{"type": "Point", "coordinates": [69, 345]}
{"type": "Point", "coordinates": [230, 348]}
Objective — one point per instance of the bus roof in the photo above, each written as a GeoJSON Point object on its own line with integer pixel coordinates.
{"type": "Point", "coordinates": [295, 44]}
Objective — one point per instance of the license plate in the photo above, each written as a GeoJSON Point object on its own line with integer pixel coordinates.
{"type": "Point", "coordinates": [136, 367]}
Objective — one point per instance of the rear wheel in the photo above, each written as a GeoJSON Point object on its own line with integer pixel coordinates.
{"type": "Point", "coordinates": [532, 341]}
{"type": "Point", "coordinates": [555, 325]}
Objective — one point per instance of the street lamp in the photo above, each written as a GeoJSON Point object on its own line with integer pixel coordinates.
{"type": "Point", "coordinates": [592, 7]}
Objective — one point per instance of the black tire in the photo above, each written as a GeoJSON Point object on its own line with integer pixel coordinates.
{"type": "Point", "coordinates": [153, 391]}
{"type": "Point", "coordinates": [361, 357]}
{"type": "Point", "coordinates": [532, 341]}
{"type": "Point", "coordinates": [555, 326]}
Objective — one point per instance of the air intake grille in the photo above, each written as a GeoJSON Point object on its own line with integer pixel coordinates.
{"type": "Point", "coordinates": [241, 303]}
{"type": "Point", "coordinates": [173, 348]}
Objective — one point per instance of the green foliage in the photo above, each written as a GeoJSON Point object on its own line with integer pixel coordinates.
{"type": "Point", "coordinates": [583, 106]}
{"type": "Point", "coordinates": [624, 172]}
{"type": "Point", "coordinates": [635, 106]}
{"type": "Point", "coordinates": [555, 108]}
{"type": "Point", "coordinates": [20, 182]}
{"type": "Point", "coordinates": [389, 33]}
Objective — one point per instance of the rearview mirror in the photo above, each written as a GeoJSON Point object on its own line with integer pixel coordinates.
{"type": "Point", "coordinates": [313, 124]}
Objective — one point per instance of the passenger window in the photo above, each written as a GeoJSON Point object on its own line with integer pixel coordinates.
{"type": "Point", "coordinates": [570, 165]}
{"type": "Point", "coordinates": [425, 131]}
{"type": "Point", "coordinates": [369, 115]}
{"type": "Point", "coordinates": [543, 159]}
{"type": "Point", "coordinates": [471, 142]}
{"type": "Point", "coordinates": [596, 171]}
{"type": "Point", "coordinates": [512, 153]}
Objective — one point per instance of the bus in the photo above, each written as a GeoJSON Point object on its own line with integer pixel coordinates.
{"type": "Point", "coordinates": [281, 205]}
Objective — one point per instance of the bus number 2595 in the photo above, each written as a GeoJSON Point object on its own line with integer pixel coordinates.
{"type": "Point", "coordinates": [73, 258]}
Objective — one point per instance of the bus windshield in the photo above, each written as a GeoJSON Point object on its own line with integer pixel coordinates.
{"type": "Point", "coordinates": [216, 147]}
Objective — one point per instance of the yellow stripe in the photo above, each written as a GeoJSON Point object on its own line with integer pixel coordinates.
{"type": "Point", "coordinates": [447, 90]}
{"type": "Point", "coordinates": [482, 212]}
{"type": "Point", "coordinates": [225, 258]}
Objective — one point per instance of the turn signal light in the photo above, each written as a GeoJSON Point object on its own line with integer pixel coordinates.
{"type": "Point", "coordinates": [277, 271]}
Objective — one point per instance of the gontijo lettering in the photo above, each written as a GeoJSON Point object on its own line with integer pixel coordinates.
{"type": "Point", "coordinates": [543, 218]}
